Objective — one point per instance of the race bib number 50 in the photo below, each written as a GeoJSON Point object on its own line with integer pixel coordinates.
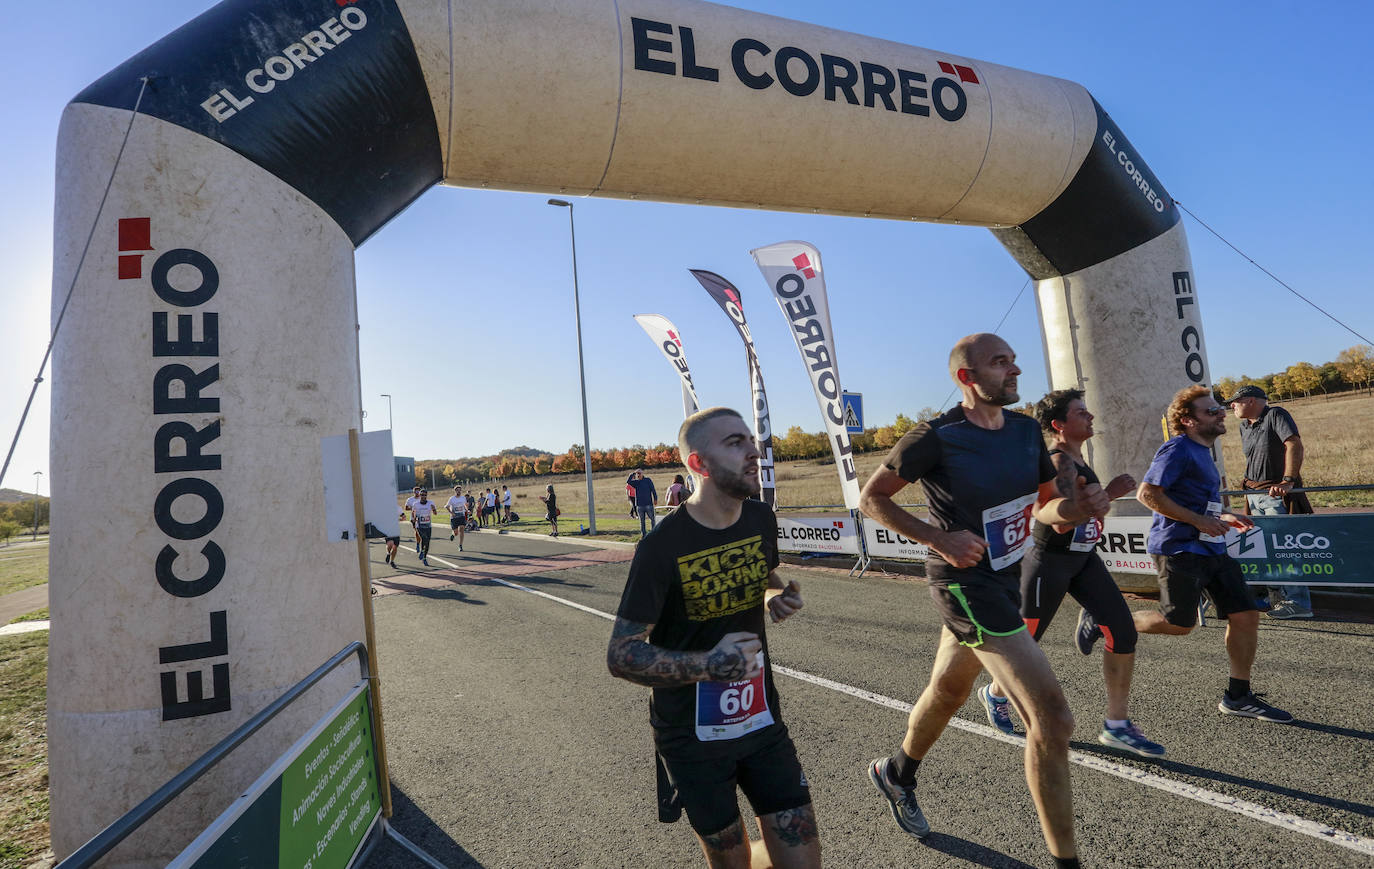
{"type": "Point", "coordinates": [1007, 529]}
{"type": "Point", "coordinates": [729, 710]}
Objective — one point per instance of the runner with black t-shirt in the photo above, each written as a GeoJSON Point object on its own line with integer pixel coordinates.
{"type": "Point", "coordinates": [691, 626]}
{"type": "Point", "coordinates": [986, 474]}
{"type": "Point", "coordinates": [1066, 562]}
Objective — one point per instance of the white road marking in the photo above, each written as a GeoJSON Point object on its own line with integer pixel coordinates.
{"type": "Point", "coordinates": [1254, 811]}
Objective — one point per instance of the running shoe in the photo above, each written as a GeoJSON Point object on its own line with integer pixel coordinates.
{"type": "Point", "coordinates": [451, 535]}
{"type": "Point", "coordinates": [1131, 739]}
{"type": "Point", "coordinates": [997, 708]}
{"type": "Point", "coordinates": [1289, 610]}
{"type": "Point", "coordinates": [1251, 706]}
{"type": "Point", "coordinates": [1088, 632]}
{"type": "Point", "coordinates": [902, 800]}
{"type": "Point", "coordinates": [460, 547]}
{"type": "Point", "coordinates": [387, 559]}
{"type": "Point", "coordinates": [424, 559]}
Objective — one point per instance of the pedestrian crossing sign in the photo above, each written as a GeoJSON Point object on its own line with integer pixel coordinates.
{"type": "Point", "coordinates": [853, 412]}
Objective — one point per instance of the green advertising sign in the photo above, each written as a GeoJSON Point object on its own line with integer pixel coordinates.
{"type": "Point", "coordinates": [1322, 549]}
{"type": "Point", "coordinates": [311, 810]}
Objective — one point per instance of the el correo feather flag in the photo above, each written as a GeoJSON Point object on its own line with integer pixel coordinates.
{"type": "Point", "coordinates": [663, 333]}
{"type": "Point", "coordinates": [728, 297]}
{"type": "Point", "coordinates": [793, 272]}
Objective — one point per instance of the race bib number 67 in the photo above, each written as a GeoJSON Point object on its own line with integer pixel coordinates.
{"type": "Point", "coordinates": [729, 710]}
{"type": "Point", "coordinates": [1007, 529]}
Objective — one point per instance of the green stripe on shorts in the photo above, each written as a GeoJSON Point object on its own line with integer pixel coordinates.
{"type": "Point", "coordinates": [958, 592]}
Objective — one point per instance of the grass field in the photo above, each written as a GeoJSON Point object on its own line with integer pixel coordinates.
{"type": "Point", "coordinates": [23, 748]}
{"type": "Point", "coordinates": [22, 567]}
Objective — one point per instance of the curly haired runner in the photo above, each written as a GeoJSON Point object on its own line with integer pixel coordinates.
{"type": "Point", "coordinates": [690, 625]}
{"type": "Point", "coordinates": [1188, 541]}
{"type": "Point", "coordinates": [1066, 562]}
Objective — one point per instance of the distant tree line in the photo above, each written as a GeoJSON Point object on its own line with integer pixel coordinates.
{"type": "Point", "coordinates": [1353, 368]}
{"type": "Point", "coordinates": [16, 517]}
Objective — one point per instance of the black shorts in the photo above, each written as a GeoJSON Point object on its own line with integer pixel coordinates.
{"type": "Point", "coordinates": [458, 521]}
{"type": "Point", "coordinates": [763, 765]}
{"type": "Point", "coordinates": [976, 602]}
{"type": "Point", "coordinates": [1048, 574]}
{"type": "Point", "coordinates": [1183, 577]}
{"type": "Point", "coordinates": [424, 531]}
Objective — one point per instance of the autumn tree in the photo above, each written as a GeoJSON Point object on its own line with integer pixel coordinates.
{"type": "Point", "coordinates": [1356, 364]}
{"type": "Point", "coordinates": [1279, 385]}
{"type": "Point", "coordinates": [1226, 387]}
{"type": "Point", "coordinates": [1303, 377]}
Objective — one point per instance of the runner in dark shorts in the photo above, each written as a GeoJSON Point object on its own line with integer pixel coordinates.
{"type": "Point", "coordinates": [372, 532]}
{"type": "Point", "coordinates": [691, 626]}
{"type": "Point", "coordinates": [457, 507]}
{"type": "Point", "coordinates": [1188, 541]}
{"type": "Point", "coordinates": [422, 514]}
{"type": "Point", "coordinates": [986, 474]}
{"type": "Point", "coordinates": [1066, 562]}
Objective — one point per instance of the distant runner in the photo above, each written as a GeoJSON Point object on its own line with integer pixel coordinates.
{"type": "Point", "coordinates": [986, 474]}
{"type": "Point", "coordinates": [457, 515]}
{"type": "Point", "coordinates": [422, 514]}
{"type": "Point", "coordinates": [691, 626]}
{"type": "Point", "coordinates": [1067, 562]}
{"type": "Point", "coordinates": [410, 502]}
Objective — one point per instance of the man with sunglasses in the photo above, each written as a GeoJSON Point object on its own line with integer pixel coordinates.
{"type": "Point", "coordinates": [1188, 542]}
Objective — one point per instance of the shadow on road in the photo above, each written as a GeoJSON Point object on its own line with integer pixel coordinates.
{"type": "Point", "coordinates": [1361, 809]}
{"type": "Point", "coordinates": [416, 826]}
{"type": "Point", "coordinates": [972, 852]}
{"type": "Point", "coordinates": [448, 592]}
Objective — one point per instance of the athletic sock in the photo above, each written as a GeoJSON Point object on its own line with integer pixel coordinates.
{"type": "Point", "coordinates": [1067, 862]}
{"type": "Point", "coordinates": [903, 768]}
{"type": "Point", "coordinates": [1237, 688]}
{"type": "Point", "coordinates": [1113, 724]}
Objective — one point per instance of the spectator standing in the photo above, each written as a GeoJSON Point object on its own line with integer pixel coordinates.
{"type": "Point", "coordinates": [551, 501]}
{"type": "Point", "coordinates": [491, 506]}
{"type": "Point", "coordinates": [505, 502]}
{"type": "Point", "coordinates": [677, 492]}
{"type": "Point", "coordinates": [630, 493]}
{"type": "Point", "coordinates": [645, 499]}
{"type": "Point", "coordinates": [1273, 459]}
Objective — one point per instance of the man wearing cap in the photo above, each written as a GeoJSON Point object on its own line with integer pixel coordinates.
{"type": "Point", "coordinates": [1273, 458]}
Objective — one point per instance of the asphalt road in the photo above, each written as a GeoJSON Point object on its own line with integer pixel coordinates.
{"type": "Point", "coordinates": [510, 745]}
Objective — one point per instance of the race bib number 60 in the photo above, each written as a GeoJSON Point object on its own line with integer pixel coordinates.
{"type": "Point", "coordinates": [1007, 529]}
{"type": "Point", "coordinates": [729, 710]}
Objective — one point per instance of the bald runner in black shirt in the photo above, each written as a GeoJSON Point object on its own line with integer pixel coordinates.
{"type": "Point", "coordinates": [987, 474]}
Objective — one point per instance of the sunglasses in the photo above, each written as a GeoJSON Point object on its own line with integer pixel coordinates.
{"type": "Point", "coordinates": [1214, 410]}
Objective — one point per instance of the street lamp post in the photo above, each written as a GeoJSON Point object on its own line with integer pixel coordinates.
{"type": "Point", "coordinates": [36, 475]}
{"type": "Point", "coordinates": [388, 410]}
{"type": "Point", "coordinates": [581, 371]}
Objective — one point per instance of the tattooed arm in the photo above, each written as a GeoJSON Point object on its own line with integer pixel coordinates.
{"type": "Point", "coordinates": [631, 657]}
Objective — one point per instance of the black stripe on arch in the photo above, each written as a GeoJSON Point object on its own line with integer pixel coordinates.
{"type": "Point", "coordinates": [352, 128]}
{"type": "Point", "coordinates": [1113, 204]}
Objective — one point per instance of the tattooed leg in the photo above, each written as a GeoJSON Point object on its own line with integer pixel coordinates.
{"type": "Point", "coordinates": [727, 849]}
{"type": "Point", "coordinates": [791, 838]}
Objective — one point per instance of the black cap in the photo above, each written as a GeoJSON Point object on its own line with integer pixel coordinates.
{"type": "Point", "coordinates": [1247, 391]}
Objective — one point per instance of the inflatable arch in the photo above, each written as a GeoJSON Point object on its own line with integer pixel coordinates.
{"type": "Point", "coordinates": [213, 342]}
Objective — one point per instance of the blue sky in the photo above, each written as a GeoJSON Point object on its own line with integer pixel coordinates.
{"type": "Point", "coordinates": [1255, 116]}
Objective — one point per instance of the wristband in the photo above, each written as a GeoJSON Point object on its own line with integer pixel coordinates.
{"type": "Point", "coordinates": [1290, 479]}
